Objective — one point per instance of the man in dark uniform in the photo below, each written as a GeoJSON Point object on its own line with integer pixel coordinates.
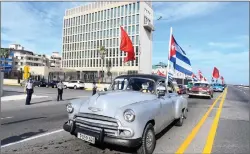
{"type": "Point", "coordinates": [94, 88]}
{"type": "Point", "coordinates": [59, 90]}
{"type": "Point", "coordinates": [29, 87]}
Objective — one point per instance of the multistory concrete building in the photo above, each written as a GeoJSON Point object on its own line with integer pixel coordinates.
{"type": "Point", "coordinates": [87, 28]}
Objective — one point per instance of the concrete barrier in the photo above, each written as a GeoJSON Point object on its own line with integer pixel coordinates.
{"type": "Point", "coordinates": [88, 86]}
{"type": "Point", "coordinates": [1, 84]}
{"type": "Point", "coordinates": [12, 82]}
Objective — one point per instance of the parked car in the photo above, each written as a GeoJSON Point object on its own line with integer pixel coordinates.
{"type": "Point", "coordinates": [52, 84]}
{"type": "Point", "coordinates": [124, 115]}
{"type": "Point", "coordinates": [36, 83]}
{"type": "Point", "coordinates": [76, 84]}
{"type": "Point", "coordinates": [182, 89]}
{"type": "Point", "coordinates": [217, 87]}
{"type": "Point", "coordinates": [202, 89]}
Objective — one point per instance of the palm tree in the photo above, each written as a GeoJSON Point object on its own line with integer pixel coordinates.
{"type": "Point", "coordinates": [4, 53]}
{"type": "Point", "coordinates": [102, 52]}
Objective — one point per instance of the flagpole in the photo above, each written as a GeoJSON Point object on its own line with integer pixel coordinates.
{"type": "Point", "coordinates": [169, 49]}
{"type": "Point", "coordinates": [139, 57]}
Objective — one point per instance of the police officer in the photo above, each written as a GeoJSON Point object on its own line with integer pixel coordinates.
{"type": "Point", "coordinates": [94, 88]}
{"type": "Point", "coordinates": [59, 90]}
{"type": "Point", "coordinates": [29, 87]}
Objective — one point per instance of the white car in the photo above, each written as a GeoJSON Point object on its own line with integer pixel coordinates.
{"type": "Point", "coordinates": [76, 84]}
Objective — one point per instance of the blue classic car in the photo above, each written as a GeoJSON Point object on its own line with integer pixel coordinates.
{"type": "Point", "coordinates": [217, 87]}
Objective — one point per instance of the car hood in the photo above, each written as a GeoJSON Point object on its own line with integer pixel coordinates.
{"type": "Point", "coordinates": [199, 88]}
{"type": "Point", "coordinates": [108, 103]}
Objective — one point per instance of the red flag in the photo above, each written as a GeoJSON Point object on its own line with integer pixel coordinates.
{"type": "Point", "coordinates": [216, 73]}
{"type": "Point", "coordinates": [126, 45]}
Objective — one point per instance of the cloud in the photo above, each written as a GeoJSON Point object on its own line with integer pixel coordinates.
{"type": "Point", "coordinates": [224, 44]}
{"type": "Point", "coordinates": [173, 11]}
{"type": "Point", "coordinates": [35, 25]}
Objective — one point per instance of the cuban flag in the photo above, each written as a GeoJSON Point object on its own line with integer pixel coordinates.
{"type": "Point", "coordinates": [194, 77]}
{"type": "Point", "coordinates": [200, 75]}
{"type": "Point", "coordinates": [178, 56]}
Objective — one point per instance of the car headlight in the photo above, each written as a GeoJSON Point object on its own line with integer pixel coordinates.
{"type": "Point", "coordinates": [70, 108]}
{"type": "Point", "coordinates": [129, 115]}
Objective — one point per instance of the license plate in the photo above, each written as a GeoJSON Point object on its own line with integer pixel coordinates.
{"type": "Point", "coordinates": [87, 138]}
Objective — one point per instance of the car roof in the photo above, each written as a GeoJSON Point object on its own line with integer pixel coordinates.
{"type": "Point", "coordinates": [150, 76]}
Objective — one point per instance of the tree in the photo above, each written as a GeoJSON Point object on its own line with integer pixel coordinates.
{"type": "Point", "coordinates": [102, 52]}
{"type": "Point", "coordinates": [4, 53]}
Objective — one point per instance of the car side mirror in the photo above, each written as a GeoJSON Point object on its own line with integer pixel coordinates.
{"type": "Point", "coordinates": [105, 89]}
{"type": "Point", "coordinates": [160, 91]}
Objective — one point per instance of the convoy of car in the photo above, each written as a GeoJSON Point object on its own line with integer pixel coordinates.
{"type": "Point", "coordinates": [201, 89]}
{"type": "Point", "coordinates": [130, 113]}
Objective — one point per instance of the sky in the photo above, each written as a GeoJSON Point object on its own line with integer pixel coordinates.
{"type": "Point", "coordinates": [213, 34]}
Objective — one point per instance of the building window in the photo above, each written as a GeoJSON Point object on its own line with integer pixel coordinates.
{"type": "Point", "coordinates": [122, 11]}
{"type": "Point", "coordinates": [138, 7]}
{"type": "Point", "coordinates": [133, 19]}
{"type": "Point", "coordinates": [118, 11]}
{"type": "Point", "coordinates": [133, 8]}
{"type": "Point", "coordinates": [133, 29]}
{"type": "Point", "coordinates": [115, 12]}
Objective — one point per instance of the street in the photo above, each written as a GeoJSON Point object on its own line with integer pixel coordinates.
{"type": "Point", "coordinates": [38, 128]}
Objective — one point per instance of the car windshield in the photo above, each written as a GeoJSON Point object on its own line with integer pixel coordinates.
{"type": "Point", "coordinates": [217, 84]}
{"type": "Point", "coordinates": [134, 84]}
{"type": "Point", "coordinates": [201, 84]}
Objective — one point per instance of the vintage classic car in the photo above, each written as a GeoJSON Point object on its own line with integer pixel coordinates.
{"type": "Point", "coordinates": [130, 113]}
{"type": "Point", "coordinates": [217, 87]}
{"type": "Point", "coordinates": [201, 89]}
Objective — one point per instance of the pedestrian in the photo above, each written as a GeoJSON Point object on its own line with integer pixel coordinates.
{"type": "Point", "coordinates": [94, 88]}
{"type": "Point", "coordinates": [29, 88]}
{"type": "Point", "coordinates": [59, 90]}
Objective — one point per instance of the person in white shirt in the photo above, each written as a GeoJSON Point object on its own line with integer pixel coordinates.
{"type": "Point", "coordinates": [29, 87]}
{"type": "Point", "coordinates": [60, 86]}
{"type": "Point", "coordinates": [94, 88]}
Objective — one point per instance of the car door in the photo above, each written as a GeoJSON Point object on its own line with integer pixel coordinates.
{"type": "Point", "coordinates": [166, 106]}
{"type": "Point", "coordinates": [70, 84]}
{"type": "Point", "coordinates": [172, 96]}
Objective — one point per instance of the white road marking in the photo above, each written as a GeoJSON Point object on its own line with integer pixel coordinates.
{"type": "Point", "coordinates": [18, 97]}
{"type": "Point", "coordinates": [31, 138]}
{"type": "Point", "coordinates": [6, 118]}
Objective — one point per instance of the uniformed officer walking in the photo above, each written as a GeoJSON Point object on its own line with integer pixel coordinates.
{"type": "Point", "coordinates": [29, 87]}
{"type": "Point", "coordinates": [60, 86]}
{"type": "Point", "coordinates": [94, 88]}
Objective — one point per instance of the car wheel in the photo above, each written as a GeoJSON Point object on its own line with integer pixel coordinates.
{"type": "Point", "coordinates": [180, 120]}
{"type": "Point", "coordinates": [148, 140]}
{"type": "Point", "coordinates": [190, 96]}
{"type": "Point", "coordinates": [65, 87]}
{"type": "Point", "coordinates": [47, 86]}
{"type": "Point", "coordinates": [75, 87]}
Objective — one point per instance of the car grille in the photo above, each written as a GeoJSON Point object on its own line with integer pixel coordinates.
{"type": "Point", "coordinates": [96, 123]}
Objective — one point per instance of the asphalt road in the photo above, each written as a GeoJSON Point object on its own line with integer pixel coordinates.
{"type": "Point", "coordinates": [38, 128]}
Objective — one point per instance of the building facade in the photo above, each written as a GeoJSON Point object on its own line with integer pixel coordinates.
{"type": "Point", "coordinates": [87, 28]}
{"type": "Point", "coordinates": [54, 59]}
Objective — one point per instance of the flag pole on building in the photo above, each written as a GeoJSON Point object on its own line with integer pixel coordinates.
{"type": "Point", "coordinates": [169, 49]}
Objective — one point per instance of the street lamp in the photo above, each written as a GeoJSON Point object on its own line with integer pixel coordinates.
{"type": "Point", "coordinates": [102, 53]}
